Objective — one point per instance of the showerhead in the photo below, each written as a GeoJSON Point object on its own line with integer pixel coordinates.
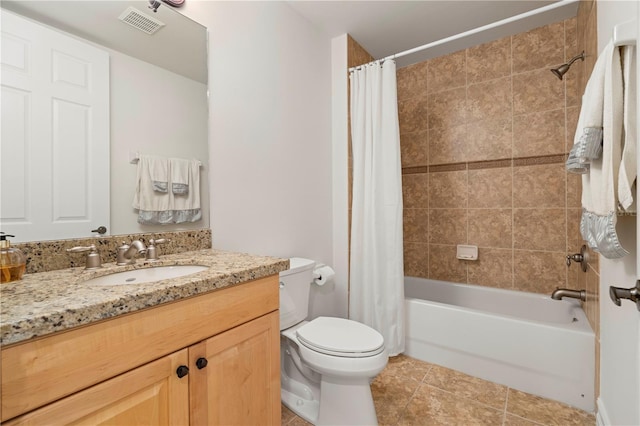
{"type": "Point", "coordinates": [562, 69]}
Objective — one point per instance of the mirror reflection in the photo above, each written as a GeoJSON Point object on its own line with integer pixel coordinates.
{"type": "Point", "coordinates": [155, 86]}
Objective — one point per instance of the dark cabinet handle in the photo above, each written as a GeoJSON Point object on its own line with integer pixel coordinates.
{"type": "Point", "coordinates": [182, 371]}
{"type": "Point", "coordinates": [201, 363]}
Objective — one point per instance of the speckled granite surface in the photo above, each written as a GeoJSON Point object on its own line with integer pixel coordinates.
{"type": "Point", "coordinates": [48, 302]}
{"type": "Point", "coordinates": [51, 255]}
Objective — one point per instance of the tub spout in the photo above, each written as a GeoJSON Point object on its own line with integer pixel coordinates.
{"type": "Point", "coordinates": [559, 293]}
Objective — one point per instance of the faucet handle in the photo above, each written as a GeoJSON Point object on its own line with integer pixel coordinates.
{"type": "Point", "coordinates": [152, 253]}
{"type": "Point", "coordinates": [582, 258]}
{"type": "Point", "coordinates": [93, 258]}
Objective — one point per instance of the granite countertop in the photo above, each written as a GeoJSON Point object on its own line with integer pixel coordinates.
{"type": "Point", "coordinates": [47, 302]}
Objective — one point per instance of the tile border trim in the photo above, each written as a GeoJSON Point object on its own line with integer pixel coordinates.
{"type": "Point", "coordinates": [487, 164]}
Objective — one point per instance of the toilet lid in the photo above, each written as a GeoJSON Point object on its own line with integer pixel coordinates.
{"type": "Point", "coordinates": [340, 337]}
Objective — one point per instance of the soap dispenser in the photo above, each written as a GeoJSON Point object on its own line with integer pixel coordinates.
{"type": "Point", "coordinates": [12, 261]}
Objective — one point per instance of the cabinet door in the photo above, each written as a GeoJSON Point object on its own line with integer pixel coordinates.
{"type": "Point", "coordinates": [240, 384]}
{"type": "Point", "coordinates": [149, 395]}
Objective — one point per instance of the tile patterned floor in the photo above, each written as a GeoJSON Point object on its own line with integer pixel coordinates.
{"type": "Point", "coordinates": [412, 392]}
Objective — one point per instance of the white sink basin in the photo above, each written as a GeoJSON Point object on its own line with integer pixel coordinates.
{"type": "Point", "coordinates": [139, 276]}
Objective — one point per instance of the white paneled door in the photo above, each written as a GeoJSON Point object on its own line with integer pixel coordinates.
{"type": "Point", "coordinates": [619, 401]}
{"type": "Point", "coordinates": [54, 153]}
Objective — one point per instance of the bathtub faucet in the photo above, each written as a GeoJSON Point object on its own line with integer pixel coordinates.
{"type": "Point", "coordinates": [559, 293]}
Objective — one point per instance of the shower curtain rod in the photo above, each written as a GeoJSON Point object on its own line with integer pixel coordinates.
{"type": "Point", "coordinates": [471, 32]}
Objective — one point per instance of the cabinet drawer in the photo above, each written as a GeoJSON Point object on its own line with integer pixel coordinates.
{"type": "Point", "coordinates": [37, 372]}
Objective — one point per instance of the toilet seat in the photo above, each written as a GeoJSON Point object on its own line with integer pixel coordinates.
{"type": "Point", "coordinates": [340, 337]}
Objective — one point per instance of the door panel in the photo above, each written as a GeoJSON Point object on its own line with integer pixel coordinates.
{"type": "Point", "coordinates": [54, 151]}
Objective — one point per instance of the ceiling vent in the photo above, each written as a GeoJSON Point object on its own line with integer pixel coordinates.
{"type": "Point", "coordinates": [141, 21]}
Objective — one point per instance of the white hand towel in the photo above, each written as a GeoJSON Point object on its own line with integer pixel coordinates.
{"type": "Point", "coordinates": [186, 207]}
{"type": "Point", "coordinates": [628, 165]}
{"type": "Point", "coordinates": [146, 196]}
{"type": "Point", "coordinates": [158, 171]}
{"type": "Point", "coordinates": [179, 175]}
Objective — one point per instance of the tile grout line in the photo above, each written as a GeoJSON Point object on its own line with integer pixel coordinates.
{"type": "Point", "coordinates": [506, 404]}
{"type": "Point", "coordinates": [513, 251]}
{"type": "Point", "coordinates": [420, 383]}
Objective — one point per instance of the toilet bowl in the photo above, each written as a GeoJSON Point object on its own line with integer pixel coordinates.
{"type": "Point", "coordinates": [327, 363]}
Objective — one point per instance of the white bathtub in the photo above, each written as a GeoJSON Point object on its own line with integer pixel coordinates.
{"type": "Point", "coordinates": [523, 340]}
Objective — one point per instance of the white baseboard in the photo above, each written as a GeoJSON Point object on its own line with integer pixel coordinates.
{"type": "Point", "coordinates": [602, 418]}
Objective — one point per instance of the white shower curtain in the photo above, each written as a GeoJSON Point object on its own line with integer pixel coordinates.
{"type": "Point", "coordinates": [376, 296]}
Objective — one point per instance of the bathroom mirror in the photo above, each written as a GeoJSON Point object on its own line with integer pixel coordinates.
{"type": "Point", "coordinates": [158, 100]}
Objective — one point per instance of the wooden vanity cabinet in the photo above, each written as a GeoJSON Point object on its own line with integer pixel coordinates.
{"type": "Point", "coordinates": [227, 339]}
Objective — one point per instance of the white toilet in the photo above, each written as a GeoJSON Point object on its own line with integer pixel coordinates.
{"type": "Point", "coordinates": [327, 363]}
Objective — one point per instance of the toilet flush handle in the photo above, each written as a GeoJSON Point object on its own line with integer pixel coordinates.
{"type": "Point", "coordinates": [281, 284]}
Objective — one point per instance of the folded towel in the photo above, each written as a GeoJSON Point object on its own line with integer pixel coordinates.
{"type": "Point", "coordinates": [628, 164]}
{"type": "Point", "coordinates": [147, 196]}
{"type": "Point", "coordinates": [599, 186]}
{"type": "Point", "coordinates": [158, 206]}
{"type": "Point", "coordinates": [587, 143]}
{"type": "Point", "coordinates": [158, 170]}
{"type": "Point", "coordinates": [187, 206]}
{"type": "Point", "coordinates": [180, 170]}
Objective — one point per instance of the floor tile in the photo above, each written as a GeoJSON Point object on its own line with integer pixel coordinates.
{"type": "Point", "coordinates": [433, 406]}
{"type": "Point", "coordinates": [413, 392]}
{"type": "Point", "coordinates": [391, 394]}
{"type": "Point", "coordinates": [406, 367]}
{"type": "Point", "coordinates": [286, 416]}
{"type": "Point", "coordinates": [512, 420]}
{"type": "Point", "coordinates": [466, 386]}
{"type": "Point", "coordinates": [546, 411]}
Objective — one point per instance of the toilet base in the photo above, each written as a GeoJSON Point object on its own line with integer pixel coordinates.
{"type": "Point", "coordinates": [299, 401]}
{"type": "Point", "coordinates": [346, 402]}
{"type": "Point", "coordinates": [343, 402]}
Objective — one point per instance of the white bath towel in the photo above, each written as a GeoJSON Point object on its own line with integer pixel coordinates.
{"type": "Point", "coordinates": [151, 173]}
{"type": "Point", "coordinates": [587, 143]}
{"type": "Point", "coordinates": [628, 165]}
{"type": "Point", "coordinates": [599, 186]}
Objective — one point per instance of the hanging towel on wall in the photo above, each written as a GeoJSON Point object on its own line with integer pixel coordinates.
{"type": "Point", "coordinates": [152, 179]}
{"type": "Point", "coordinates": [186, 205]}
{"type": "Point", "coordinates": [628, 165]}
{"type": "Point", "coordinates": [599, 186]}
{"type": "Point", "coordinates": [587, 143]}
{"type": "Point", "coordinates": [157, 205]}
{"type": "Point", "coordinates": [180, 170]}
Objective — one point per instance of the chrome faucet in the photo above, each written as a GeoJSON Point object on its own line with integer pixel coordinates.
{"type": "Point", "coordinates": [126, 254]}
{"type": "Point", "coordinates": [559, 293]}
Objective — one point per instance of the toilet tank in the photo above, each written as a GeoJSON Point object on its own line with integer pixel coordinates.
{"type": "Point", "coordinates": [295, 284]}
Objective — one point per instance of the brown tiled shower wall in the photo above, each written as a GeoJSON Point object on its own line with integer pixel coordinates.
{"type": "Point", "coordinates": [484, 133]}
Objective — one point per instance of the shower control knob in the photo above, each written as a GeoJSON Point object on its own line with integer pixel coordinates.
{"type": "Point", "coordinates": [182, 371]}
{"type": "Point", "coordinates": [617, 294]}
{"type": "Point", "coordinates": [581, 258]}
{"type": "Point", "coordinates": [201, 363]}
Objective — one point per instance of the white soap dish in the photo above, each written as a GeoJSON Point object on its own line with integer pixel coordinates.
{"type": "Point", "coordinates": [467, 252]}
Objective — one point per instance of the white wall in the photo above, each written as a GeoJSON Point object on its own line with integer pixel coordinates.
{"type": "Point", "coordinates": [270, 138]}
{"type": "Point", "coordinates": [620, 347]}
{"type": "Point", "coordinates": [153, 111]}
{"type": "Point", "coordinates": [340, 136]}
